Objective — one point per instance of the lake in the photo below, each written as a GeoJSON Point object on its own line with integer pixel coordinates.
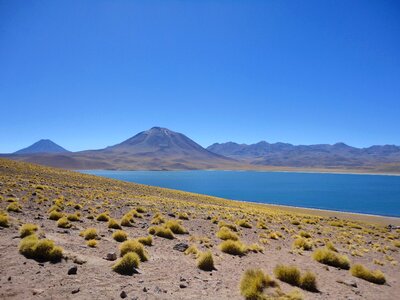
{"type": "Point", "coordinates": [370, 194]}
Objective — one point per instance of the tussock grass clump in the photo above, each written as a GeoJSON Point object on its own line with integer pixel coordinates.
{"type": "Point", "coordinates": [275, 235]}
{"type": "Point", "coordinates": [331, 258]}
{"type": "Point", "coordinates": [308, 281]}
{"type": "Point", "coordinates": [205, 261]}
{"type": "Point", "coordinates": [73, 217]}
{"type": "Point", "coordinates": [89, 234]}
{"type": "Point", "coordinates": [133, 246]}
{"type": "Point", "coordinates": [14, 207]}
{"type": "Point", "coordinates": [225, 224]}
{"type": "Point", "coordinates": [293, 276]}
{"type": "Point", "coordinates": [176, 227]}
{"type": "Point", "coordinates": [244, 223]}
{"type": "Point", "coordinates": [55, 215]}
{"type": "Point", "coordinates": [141, 210]}
{"type": "Point", "coordinates": [120, 235]}
{"type": "Point", "coordinates": [330, 246]}
{"type": "Point", "coordinates": [4, 220]}
{"type": "Point", "coordinates": [63, 223]}
{"type": "Point", "coordinates": [127, 220]}
{"type": "Point", "coordinates": [233, 247]}
{"type": "Point", "coordinates": [227, 234]}
{"type": "Point", "coordinates": [40, 250]}
{"type": "Point", "coordinates": [256, 248]}
{"type": "Point", "coordinates": [112, 223]}
{"type": "Point", "coordinates": [27, 229]}
{"type": "Point", "coordinates": [157, 219]}
{"type": "Point", "coordinates": [362, 272]}
{"type": "Point", "coordinates": [92, 243]}
{"type": "Point", "coordinates": [147, 241]}
{"type": "Point", "coordinates": [253, 283]}
{"type": "Point", "coordinates": [127, 264]}
{"type": "Point", "coordinates": [183, 216]}
{"type": "Point", "coordinates": [192, 250]}
{"type": "Point", "coordinates": [304, 234]}
{"type": "Point", "coordinates": [161, 232]}
{"type": "Point", "coordinates": [302, 243]}
{"type": "Point", "coordinates": [103, 217]}
{"type": "Point", "coordinates": [396, 244]}
{"type": "Point", "coordinates": [288, 274]}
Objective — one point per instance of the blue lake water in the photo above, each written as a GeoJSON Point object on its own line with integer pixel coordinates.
{"type": "Point", "coordinates": [370, 194]}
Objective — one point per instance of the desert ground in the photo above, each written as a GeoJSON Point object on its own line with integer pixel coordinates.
{"type": "Point", "coordinates": [65, 235]}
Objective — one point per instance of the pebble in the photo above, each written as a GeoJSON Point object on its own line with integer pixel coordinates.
{"type": "Point", "coordinates": [37, 291]}
{"type": "Point", "coordinates": [145, 289]}
{"type": "Point", "coordinates": [123, 294]}
{"type": "Point", "coordinates": [111, 256]}
{"type": "Point", "coordinates": [73, 270]}
{"type": "Point", "coordinates": [79, 260]}
{"type": "Point", "coordinates": [76, 290]}
{"type": "Point", "coordinates": [181, 247]}
{"type": "Point", "coordinates": [183, 285]}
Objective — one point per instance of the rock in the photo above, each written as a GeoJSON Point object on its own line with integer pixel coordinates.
{"type": "Point", "coordinates": [75, 290]}
{"type": "Point", "coordinates": [351, 283]}
{"type": "Point", "coordinates": [183, 285]}
{"type": "Point", "coordinates": [111, 256]}
{"type": "Point", "coordinates": [181, 247]}
{"type": "Point", "coordinates": [182, 279]}
{"type": "Point", "coordinates": [73, 270]}
{"type": "Point", "coordinates": [172, 215]}
{"type": "Point", "coordinates": [37, 291]}
{"type": "Point", "coordinates": [145, 289]}
{"type": "Point", "coordinates": [79, 260]}
{"type": "Point", "coordinates": [123, 295]}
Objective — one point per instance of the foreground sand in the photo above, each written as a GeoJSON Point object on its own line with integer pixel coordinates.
{"type": "Point", "coordinates": [169, 273]}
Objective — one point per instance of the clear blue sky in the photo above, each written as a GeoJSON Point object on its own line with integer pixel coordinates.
{"type": "Point", "coordinates": [88, 74]}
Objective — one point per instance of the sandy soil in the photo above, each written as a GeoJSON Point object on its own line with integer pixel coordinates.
{"type": "Point", "coordinates": [170, 274]}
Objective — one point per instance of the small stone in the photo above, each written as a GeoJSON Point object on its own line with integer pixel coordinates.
{"type": "Point", "coordinates": [73, 270]}
{"type": "Point", "coordinates": [183, 285]}
{"type": "Point", "coordinates": [9, 278]}
{"type": "Point", "coordinates": [111, 256]}
{"type": "Point", "coordinates": [76, 290]}
{"type": "Point", "coordinates": [79, 260]}
{"type": "Point", "coordinates": [182, 279]}
{"type": "Point", "coordinates": [145, 289]}
{"type": "Point", "coordinates": [172, 215]}
{"type": "Point", "coordinates": [181, 247]}
{"type": "Point", "coordinates": [37, 291]}
{"type": "Point", "coordinates": [123, 294]}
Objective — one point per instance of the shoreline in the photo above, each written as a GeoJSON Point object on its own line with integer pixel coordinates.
{"type": "Point", "coordinates": [302, 171]}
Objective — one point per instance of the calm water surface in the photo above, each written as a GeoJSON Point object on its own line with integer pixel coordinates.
{"type": "Point", "coordinates": [371, 194]}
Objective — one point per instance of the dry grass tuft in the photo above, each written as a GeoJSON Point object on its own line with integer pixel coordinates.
{"type": "Point", "coordinates": [161, 232]}
{"type": "Point", "coordinates": [331, 258]}
{"type": "Point", "coordinates": [227, 234]}
{"type": "Point", "coordinates": [63, 223]}
{"type": "Point", "coordinates": [55, 215]}
{"type": "Point", "coordinates": [147, 241]}
{"type": "Point", "coordinates": [302, 243]}
{"type": "Point", "coordinates": [112, 223]}
{"type": "Point", "coordinates": [120, 236]}
{"type": "Point", "coordinates": [103, 217]}
{"type": "Point", "coordinates": [233, 247]}
{"type": "Point", "coordinates": [176, 227]}
{"type": "Point", "coordinates": [4, 220]}
{"type": "Point", "coordinates": [362, 272]}
{"type": "Point", "coordinates": [253, 283]}
{"type": "Point", "coordinates": [133, 246]}
{"type": "Point", "coordinates": [127, 264]}
{"type": "Point", "coordinates": [27, 229]}
{"type": "Point", "coordinates": [205, 261]}
{"type": "Point", "coordinates": [40, 250]}
{"type": "Point", "coordinates": [92, 243]}
{"type": "Point", "coordinates": [89, 234]}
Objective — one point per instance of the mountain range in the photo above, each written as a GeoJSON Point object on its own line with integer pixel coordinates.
{"type": "Point", "coordinates": [163, 149]}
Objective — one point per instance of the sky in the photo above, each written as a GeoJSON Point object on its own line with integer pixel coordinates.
{"type": "Point", "coordinates": [89, 74]}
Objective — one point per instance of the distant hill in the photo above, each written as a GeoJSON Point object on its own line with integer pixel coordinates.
{"type": "Point", "coordinates": [163, 149]}
{"type": "Point", "coordinates": [338, 155]}
{"type": "Point", "coordinates": [42, 146]}
{"type": "Point", "coordinates": [154, 149]}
